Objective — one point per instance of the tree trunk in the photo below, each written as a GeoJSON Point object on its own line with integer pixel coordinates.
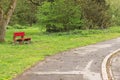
{"type": "Point", "coordinates": [5, 18]}
{"type": "Point", "coordinates": [2, 27]}
{"type": "Point", "coordinates": [2, 31]}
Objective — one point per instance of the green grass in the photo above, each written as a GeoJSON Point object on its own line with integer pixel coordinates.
{"type": "Point", "coordinates": [14, 59]}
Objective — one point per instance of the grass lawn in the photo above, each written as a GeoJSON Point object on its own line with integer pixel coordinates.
{"type": "Point", "coordinates": [14, 59]}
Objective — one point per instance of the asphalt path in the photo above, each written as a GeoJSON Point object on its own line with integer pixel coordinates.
{"type": "Point", "coordinates": [83, 63]}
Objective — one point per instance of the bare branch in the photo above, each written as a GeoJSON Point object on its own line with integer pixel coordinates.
{"type": "Point", "coordinates": [10, 10]}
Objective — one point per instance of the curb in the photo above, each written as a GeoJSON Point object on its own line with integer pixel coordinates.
{"type": "Point", "coordinates": [106, 66]}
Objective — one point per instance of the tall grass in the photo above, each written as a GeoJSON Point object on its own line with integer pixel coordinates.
{"type": "Point", "coordinates": [15, 58]}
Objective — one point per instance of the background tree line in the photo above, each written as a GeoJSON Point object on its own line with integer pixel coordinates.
{"type": "Point", "coordinates": [65, 15]}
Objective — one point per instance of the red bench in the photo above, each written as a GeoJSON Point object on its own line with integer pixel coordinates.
{"type": "Point", "coordinates": [21, 38]}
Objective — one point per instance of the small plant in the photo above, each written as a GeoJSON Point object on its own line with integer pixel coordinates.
{"type": "Point", "coordinates": [17, 26]}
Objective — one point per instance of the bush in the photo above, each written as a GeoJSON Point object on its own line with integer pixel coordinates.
{"type": "Point", "coordinates": [60, 15]}
{"type": "Point", "coordinates": [95, 13]}
{"type": "Point", "coordinates": [9, 27]}
{"type": "Point", "coordinates": [115, 11]}
{"type": "Point", "coordinates": [16, 26]}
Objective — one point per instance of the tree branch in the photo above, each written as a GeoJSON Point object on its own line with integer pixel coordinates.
{"type": "Point", "coordinates": [10, 10]}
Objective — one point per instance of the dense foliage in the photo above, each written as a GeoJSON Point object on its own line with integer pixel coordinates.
{"type": "Point", "coordinates": [60, 15]}
{"type": "Point", "coordinates": [65, 15]}
{"type": "Point", "coordinates": [24, 13]}
{"type": "Point", "coordinates": [95, 13]}
{"type": "Point", "coordinates": [115, 11]}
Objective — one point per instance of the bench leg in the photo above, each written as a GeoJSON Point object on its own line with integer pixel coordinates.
{"type": "Point", "coordinates": [18, 42]}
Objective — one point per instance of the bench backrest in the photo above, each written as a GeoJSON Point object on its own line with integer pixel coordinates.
{"type": "Point", "coordinates": [19, 33]}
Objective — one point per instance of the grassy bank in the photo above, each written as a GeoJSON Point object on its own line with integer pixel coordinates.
{"type": "Point", "coordinates": [14, 59]}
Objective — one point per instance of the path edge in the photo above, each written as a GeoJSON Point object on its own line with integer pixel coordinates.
{"type": "Point", "coordinates": [106, 71]}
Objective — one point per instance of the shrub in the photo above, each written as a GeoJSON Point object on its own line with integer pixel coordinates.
{"type": "Point", "coordinates": [115, 11]}
{"type": "Point", "coordinates": [17, 26]}
{"type": "Point", "coordinates": [95, 13]}
{"type": "Point", "coordinates": [60, 15]}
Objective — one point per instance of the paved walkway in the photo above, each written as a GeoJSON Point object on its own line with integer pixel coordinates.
{"type": "Point", "coordinates": [82, 63]}
{"type": "Point", "coordinates": [116, 67]}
